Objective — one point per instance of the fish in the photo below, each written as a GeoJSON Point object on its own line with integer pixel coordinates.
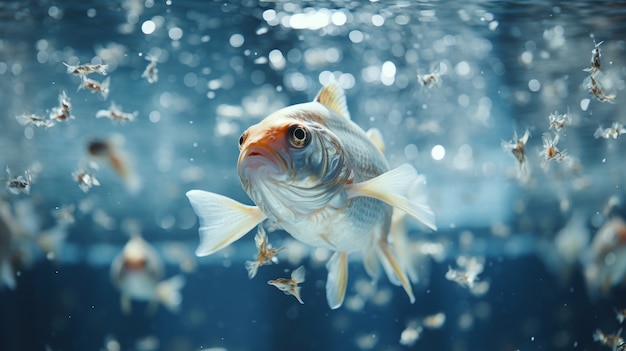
{"type": "Point", "coordinates": [266, 254]}
{"type": "Point", "coordinates": [83, 70]}
{"type": "Point", "coordinates": [137, 271]}
{"type": "Point", "coordinates": [111, 151]}
{"type": "Point", "coordinates": [317, 175]}
{"type": "Point", "coordinates": [151, 73]}
{"type": "Point", "coordinates": [37, 121]}
{"type": "Point", "coordinates": [62, 112]}
{"type": "Point", "coordinates": [18, 184]}
{"type": "Point", "coordinates": [95, 86]}
{"type": "Point", "coordinates": [115, 113]}
{"type": "Point", "coordinates": [290, 286]}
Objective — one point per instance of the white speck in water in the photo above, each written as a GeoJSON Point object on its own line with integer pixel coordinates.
{"type": "Point", "coordinates": [584, 104]}
{"type": "Point", "coordinates": [91, 13]}
{"type": "Point", "coordinates": [378, 20]}
{"type": "Point", "coordinates": [462, 68]}
{"type": "Point", "coordinates": [175, 33]}
{"type": "Point", "coordinates": [148, 27]}
{"type": "Point", "coordinates": [534, 85]}
{"type": "Point", "coordinates": [438, 152]}
{"type": "Point", "coordinates": [236, 40]}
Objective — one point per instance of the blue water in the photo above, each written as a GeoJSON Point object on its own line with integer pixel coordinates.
{"type": "Point", "coordinates": [223, 66]}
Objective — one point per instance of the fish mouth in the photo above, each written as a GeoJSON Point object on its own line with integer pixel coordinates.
{"type": "Point", "coordinates": [257, 161]}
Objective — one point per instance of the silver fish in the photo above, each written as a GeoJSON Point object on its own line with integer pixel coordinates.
{"type": "Point", "coordinates": [324, 180]}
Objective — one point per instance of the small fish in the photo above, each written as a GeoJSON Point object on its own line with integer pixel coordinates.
{"type": "Point", "coordinates": [37, 121]}
{"type": "Point", "coordinates": [290, 286]}
{"type": "Point", "coordinates": [517, 146]}
{"type": "Point", "coordinates": [137, 273]}
{"type": "Point", "coordinates": [62, 112]}
{"type": "Point", "coordinates": [557, 121]}
{"type": "Point", "coordinates": [151, 73]}
{"type": "Point", "coordinates": [612, 132]}
{"type": "Point", "coordinates": [19, 184]}
{"type": "Point", "coordinates": [83, 70]}
{"type": "Point", "coordinates": [596, 88]}
{"type": "Point", "coordinates": [550, 151]}
{"type": "Point", "coordinates": [85, 177]}
{"type": "Point", "coordinates": [596, 65]}
{"type": "Point", "coordinates": [614, 341]}
{"type": "Point", "coordinates": [266, 254]}
{"type": "Point", "coordinates": [467, 277]}
{"type": "Point", "coordinates": [116, 114]}
{"type": "Point", "coordinates": [110, 150]}
{"type": "Point", "coordinates": [325, 181]}
{"type": "Point", "coordinates": [95, 86]}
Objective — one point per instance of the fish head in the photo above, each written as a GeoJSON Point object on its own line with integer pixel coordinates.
{"type": "Point", "coordinates": [291, 163]}
{"type": "Point", "coordinates": [138, 256]}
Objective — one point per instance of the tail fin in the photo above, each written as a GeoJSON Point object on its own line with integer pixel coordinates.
{"type": "Point", "coordinates": [168, 292]}
{"type": "Point", "coordinates": [222, 220]}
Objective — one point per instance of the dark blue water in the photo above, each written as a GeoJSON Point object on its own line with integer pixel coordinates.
{"type": "Point", "coordinates": [223, 66]}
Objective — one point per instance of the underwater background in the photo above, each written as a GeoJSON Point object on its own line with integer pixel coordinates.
{"type": "Point", "coordinates": [447, 84]}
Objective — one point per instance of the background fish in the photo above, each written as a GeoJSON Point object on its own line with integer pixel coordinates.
{"type": "Point", "coordinates": [325, 181]}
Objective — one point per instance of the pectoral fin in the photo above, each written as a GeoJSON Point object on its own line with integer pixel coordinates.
{"type": "Point", "coordinates": [222, 220]}
{"type": "Point", "coordinates": [391, 187]}
{"type": "Point", "coordinates": [337, 279]}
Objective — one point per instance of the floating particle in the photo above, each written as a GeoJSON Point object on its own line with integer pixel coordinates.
{"type": "Point", "coordinates": [612, 132]}
{"type": "Point", "coordinates": [410, 334]}
{"type": "Point", "coordinates": [431, 79]}
{"type": "Point", "coordinates": [434, 321]}
{"type": "Point", "coordinates": [64, 215]}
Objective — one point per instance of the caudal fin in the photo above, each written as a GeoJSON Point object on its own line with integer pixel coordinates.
{"type": "Point", "coordinates": [222, 220]}
{"type": "Point", "coordinates": [168, 292]}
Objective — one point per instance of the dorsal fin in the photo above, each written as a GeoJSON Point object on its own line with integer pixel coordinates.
{"type": "Point", "coordinates": [376, 137]}
{"type": "Point", "coordinates": [332, 96]}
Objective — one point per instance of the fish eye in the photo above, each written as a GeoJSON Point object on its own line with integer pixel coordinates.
{"type": "Point", "coordinates": [242, 138]}
{"type": "Point", "coordinates": [298, 136]}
